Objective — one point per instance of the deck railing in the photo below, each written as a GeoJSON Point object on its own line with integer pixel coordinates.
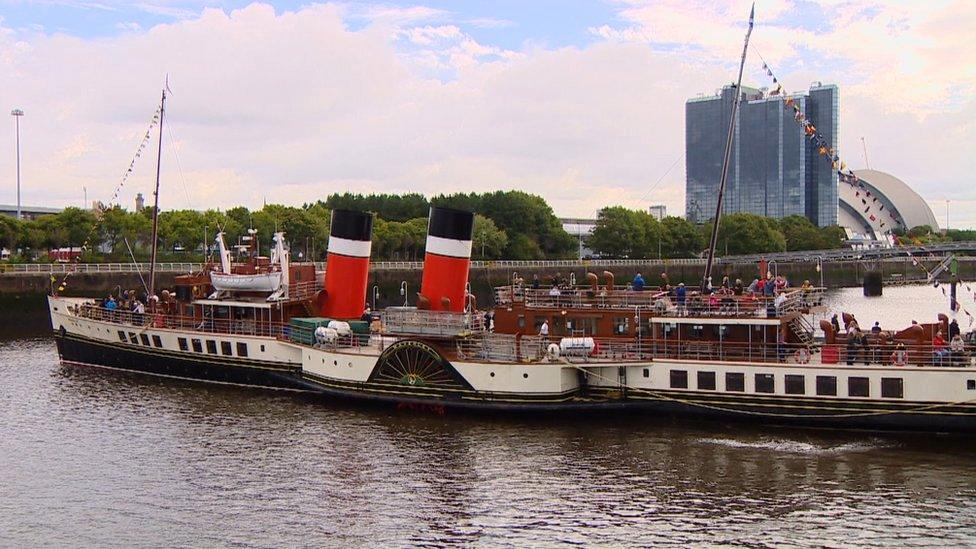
{"type": "Point", "coordinates": [512, 348]}
{"type": "Point", "coordinates": [493, 347]}
{"type": "Point", "coordinates": [660, 302]}
{"type": "Point", "coordinates": [410, 321]}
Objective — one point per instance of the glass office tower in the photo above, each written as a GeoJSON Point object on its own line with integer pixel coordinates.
{"type": "Point", "coordinates": [774, 170]}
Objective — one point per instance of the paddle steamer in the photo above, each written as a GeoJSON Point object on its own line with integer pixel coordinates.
{"type": "Point", "coordinates": [608, 347]}
{"type": "Point", "coordinates": [562, 349]}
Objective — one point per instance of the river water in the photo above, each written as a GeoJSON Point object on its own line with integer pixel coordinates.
{"type": "Point", "coordinates": [98, 458]}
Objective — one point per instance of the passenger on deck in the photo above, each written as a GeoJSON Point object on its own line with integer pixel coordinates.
{"type": "Point", "coordinates": [665, 283]}
{"type": "Point", "coordinates": [367, 315]}
{"type": "Point", "coordinates": [876, 329]}
{"type": "Point", "coordinates": [544, 332]}
{"type": "Point", "coordinates": [939, 349]}
{"type": "Point", "coordinates": [851, 348]}
{"type": "Point", "coordinates": [554, 291]}
{"type": "Point", "coordinates": [725, 282]}
{"type": "Point", "coordinates": [780, 283]}
{"type": "Point", "coordinates": [680, 294]}
{"type": "Point", "coordinates": [778, 303]}
{"type": "Point", "coordinates": [535, 282]}
{"type": "Point", "coordinates": [806, 286]}
{"type": "Point", "coordinates": [111, 304]}
{"type": "Point", "coordinates": [958, 349]}
{"type": "Point", "coordinates": [638, 283]}
{"type": "Point", "coordinates": [954, 329]}
{"type": "Point", "coordinates": [769, 287]}
{"type": "Point", "coordinates": [737, 287]}
{"type": "Point", "coordinates": [754, 286]}
{"type": "Point", "coordinates": [865, 347]}
{"type": "Point", "coordinates": [835, 323]}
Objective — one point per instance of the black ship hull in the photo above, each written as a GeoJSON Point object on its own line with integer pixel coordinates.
{"type": "Point", "coordinates": [763, 410]}
{"type": "Point", "coordinates": [84, 351]}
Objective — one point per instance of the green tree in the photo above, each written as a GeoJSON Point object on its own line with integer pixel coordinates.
{"type": "Point", "coordinates": [11, 232]}
{"type": "Point", "coordinates": [489, 240]}
{"type": "Point", "coordinates": [746, 233]}
{"type": "Point", "coordinates": [681, 238]}
{"type": "Point", "coordinates": [624, 233]}
{"type": "Point", "coordinates": [800, 233]}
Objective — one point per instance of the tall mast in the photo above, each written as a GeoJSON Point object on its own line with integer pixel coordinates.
{"type": "Point", "coordinates": [155, 212]}
{"type": "Point", "coordinates": [728, 152]}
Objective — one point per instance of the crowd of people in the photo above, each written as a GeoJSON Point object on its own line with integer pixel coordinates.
{"type": "Point", "coordinates": [873, 346]}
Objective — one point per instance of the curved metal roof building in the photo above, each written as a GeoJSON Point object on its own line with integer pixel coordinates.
{"type": "Point", "coordinates": [896, 196]}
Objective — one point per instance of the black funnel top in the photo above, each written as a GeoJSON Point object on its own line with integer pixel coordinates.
{"type": "Point", "coordinates": [352, 225]}
{"type": "Point", "coordinates": [450, 223]}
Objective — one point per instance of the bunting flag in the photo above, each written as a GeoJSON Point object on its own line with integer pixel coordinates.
{"type": "Point", "coordinates": [824, 147]}
{"type": "Point", "coordinates": [99, 212]}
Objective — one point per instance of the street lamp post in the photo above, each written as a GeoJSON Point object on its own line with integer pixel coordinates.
{"type": "Point", "coordinates": [17, 113]}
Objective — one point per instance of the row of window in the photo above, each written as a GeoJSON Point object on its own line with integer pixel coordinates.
{"type": "Point", "coordinates": [142, 338]}
{"type": "Point", "coordinates": [793, 384]}
{"type": "Point", "coordinates": [226, 348]}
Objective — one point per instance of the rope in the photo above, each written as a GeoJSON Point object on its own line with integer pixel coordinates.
{"type": "Point", "coordinates": [688, 402]}
{"type": "Point", "coordinates": [99, 212]}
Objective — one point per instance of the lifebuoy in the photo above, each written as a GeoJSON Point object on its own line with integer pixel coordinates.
{"type": "Point", "coordinates": [802, 355]}
{"type": "Point", "coordinates": [899, 358]}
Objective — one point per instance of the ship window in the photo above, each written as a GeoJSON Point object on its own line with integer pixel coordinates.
{"type": "Point", "coordinates": [121, 336]}
{"type": "Point", "coordinates": [241, 349]}
{"type": "Point", "coordinates": [794, 384]}
{"type": "Point", "coordinates": [197, 346]}
{"type": "Point", "coordinates": [697, 331]}
{"type": "Point", "coordinates": [892, 387]}
{"type": "Point", "coordinates": [735, 381]}
{"type": "Point", "coordinates": [826, 385]}
{"type": "Point", "coordinates": [183, 345]}
{"type": "Point", "coordinates": [621, 325]}
{"type": "Point", "coordinates": [647, 372]}
{"type": "Point", "coordinates": [133, 339]}
{"type": "Point", "coordinates": [706, 381]}
{"type": "Point", "coordinates": [225, 348]}
{"type": "Point", "coordinates": [765, 383]}
{"type": "Point", "coordinates": [971, 384]}
{"type": "Point", "coordinates": [211, 346]}
{"type": "Point", "coordinates": [679, 379]}
{"type": "Point", "coordinates": [858, 386]}
{"type": "Point", "coordinates": [521, 321]}
{"type": "Point", "coordinates": [262, 348]}
{"type": "Point", "coordinates": [156, 341]}
{"type": "Point", "coordinates": [145, 339]}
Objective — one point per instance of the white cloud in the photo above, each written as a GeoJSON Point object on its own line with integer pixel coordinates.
{"type": "Point", "coordinates": [290, 107]}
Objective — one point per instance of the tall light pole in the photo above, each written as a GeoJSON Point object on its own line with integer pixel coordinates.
{"type": "Point", "coordinates": [17, 113]}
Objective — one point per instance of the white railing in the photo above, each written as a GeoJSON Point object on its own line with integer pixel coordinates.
{"type": "Point", "coordinates": [186, 267]}
{"type": "Point", "coordinates": [410, 321]}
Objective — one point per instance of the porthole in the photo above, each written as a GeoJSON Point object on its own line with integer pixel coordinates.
{"type": "Point", "coordinates": [526, 376]}
{"type": "Point", "coordinates": [335, 362]}
{"type": "Point", "coordinates": [492, 374]}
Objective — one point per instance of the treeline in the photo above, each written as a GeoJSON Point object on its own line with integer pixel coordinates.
{"type": "Point", "coordinates": [635, 234]}
{"type": "Point", "coordinates": [508, 225]}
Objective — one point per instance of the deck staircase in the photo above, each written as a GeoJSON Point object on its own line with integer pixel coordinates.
{"type": "Point", "coordinates": [803, 330]}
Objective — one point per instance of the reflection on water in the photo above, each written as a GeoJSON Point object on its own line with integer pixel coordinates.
{"type": "Point", "coordinates": [92, 457]}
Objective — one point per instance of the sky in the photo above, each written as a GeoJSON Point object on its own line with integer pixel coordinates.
{"type": "Point", "coordinates": [579, 102]}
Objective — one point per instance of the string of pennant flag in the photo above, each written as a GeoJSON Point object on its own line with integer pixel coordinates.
{"type": "Point", "coordinates": [937, 284]}
{"type": "Point", "coordinates": [874, 209]}
{"type": "Point", "coordinates": [99, 211]}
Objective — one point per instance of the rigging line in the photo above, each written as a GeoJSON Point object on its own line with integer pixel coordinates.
{"type": "Point", "coordinates": [660, 179]}
{"type": "Point", "coordinates": [179, 164]}
{"type": "Point", "coordinates": [136, 263]}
